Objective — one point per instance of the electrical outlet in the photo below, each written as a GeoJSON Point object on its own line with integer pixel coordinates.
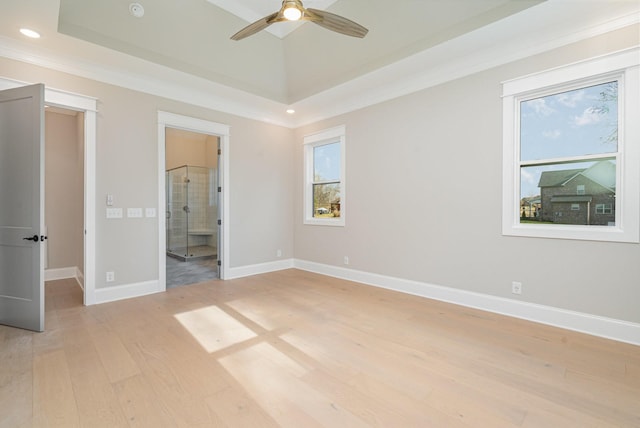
{"type": "Point", "coordinates": [278, 253]}
{"type": "Point", "coordinates": [114, 212]}
{"type": "Point", "coordinates": [516, 287]}
{"type": "Point", "coordinates": [134, 212]}
{"type": "Point", "coordinates": [346, 260]}
{"type": "Point", "coordinates": [111, 276]}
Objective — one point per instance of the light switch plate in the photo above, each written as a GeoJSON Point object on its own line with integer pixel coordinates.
{"type": "Point", "coordinates": [150, 212]}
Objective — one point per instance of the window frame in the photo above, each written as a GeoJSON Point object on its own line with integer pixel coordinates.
{"type": "Point", "coordinates": [311, 141]}
{"type": "Point", "coordinates": [623, 66]}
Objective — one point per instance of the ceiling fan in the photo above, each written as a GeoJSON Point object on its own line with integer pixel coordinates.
{"type": "Point", "coordinates": [293, 10]}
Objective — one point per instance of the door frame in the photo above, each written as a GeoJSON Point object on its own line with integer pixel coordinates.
{"type": "Point", "coordinates": [172, 120]}
{"type": "Point", "coordinates": [88, 106]}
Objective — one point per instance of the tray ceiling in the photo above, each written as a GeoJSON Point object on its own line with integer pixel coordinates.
{"type": "Point", "coordinates": [180, 49]}
{"type": "Point", "coordinates": [193, 36]}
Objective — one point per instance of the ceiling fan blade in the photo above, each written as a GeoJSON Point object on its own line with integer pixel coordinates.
{"type": "Point", "coordinates": [336, 23]}
{"type": "Point", "coordinates": [259, 25]}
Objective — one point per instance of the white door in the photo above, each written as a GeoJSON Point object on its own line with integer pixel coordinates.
{"type": "Point", "coordinates": [22, 207]}
{"type": "Point", "coordinates": [219, 211]}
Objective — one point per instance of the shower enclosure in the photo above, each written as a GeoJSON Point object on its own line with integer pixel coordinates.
{"type": "Point", "coordinates": [192, 212]}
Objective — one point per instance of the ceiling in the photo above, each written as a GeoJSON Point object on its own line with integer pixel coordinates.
{"type": "Point", "coordinates": [193, 36]}
{"type": "Point", "coordinates": [182, 49]}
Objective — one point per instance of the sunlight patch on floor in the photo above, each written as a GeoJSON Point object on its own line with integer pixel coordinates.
{"type": "Point", "coordinates": [213, 328]}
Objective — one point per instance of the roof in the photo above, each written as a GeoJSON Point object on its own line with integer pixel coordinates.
{"type": "Point", "coordinates": [557, 178]}
{"type": "Point", "coordinates": [602, 172]}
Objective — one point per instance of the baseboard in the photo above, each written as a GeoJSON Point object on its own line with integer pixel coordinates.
{"type": "Point", "coordinates": [80, 277]}
{"type": "Point", "coordinates": [125, 291]}
{"type": "Point", "coordinates": [239, 272]}
{"type": "Point", "coordinates": [622, 331]}
{"type": "Point", "coordinates": [65, 273]}
{"type": "Point", "coordinates": [60, 273]}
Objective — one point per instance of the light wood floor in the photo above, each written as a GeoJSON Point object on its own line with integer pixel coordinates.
{"type": "Point", "coordinates": [296, 349]}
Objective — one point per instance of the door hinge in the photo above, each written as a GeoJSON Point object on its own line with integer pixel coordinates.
{"type": "Point", "coordinates": [219, 152]}
{"type": "Point", "coordinates": [219, 222]}
{"type": "Point", "coordinates": [219, 262]}
{"type": "Point", "coordinates": [219, 189]}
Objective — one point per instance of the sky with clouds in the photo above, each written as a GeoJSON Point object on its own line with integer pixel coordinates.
{"type": "Point", "coordinates": [326, 162]}
{"type": "Point", "coordinates": [569, 124]}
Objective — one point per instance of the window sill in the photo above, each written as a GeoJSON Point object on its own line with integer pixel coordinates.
{"type": "Point", "coordinates": [324, 222]}
{"type": "Point", "coordinates": [581, 233]}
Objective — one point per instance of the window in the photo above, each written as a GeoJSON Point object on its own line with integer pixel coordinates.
{"type": "Point", "coordinates": [604, 209]}
{"type": "Point", "coordinates": [324, 191]}
{"type": "Point", "coordinates": [571, 148]}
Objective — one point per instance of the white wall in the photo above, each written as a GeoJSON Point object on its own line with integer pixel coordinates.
{"type": "Point", "coordinates": [424, 199]}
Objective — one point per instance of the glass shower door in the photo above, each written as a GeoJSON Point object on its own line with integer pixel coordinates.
{"type": "Point", "coordinates": [202, 194]}
{"type": "Point", "coordinates": [177, 211]}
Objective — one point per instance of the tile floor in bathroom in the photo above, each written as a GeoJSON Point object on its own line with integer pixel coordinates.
{"type": "Point", "coordinates": [190, 272]}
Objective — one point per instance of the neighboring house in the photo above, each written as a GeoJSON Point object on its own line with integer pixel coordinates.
{"type": "Point", "coordinates": [335, 208]}
{"type": "Point", "coordinates": [530, 206]}
{"type": "Point", "coordinates": [584, 196]}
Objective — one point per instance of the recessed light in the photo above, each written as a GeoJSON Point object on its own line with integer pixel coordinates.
{"type": "Point", "coordinates": [30, 33]}
{"type": "Point", "coordinates": [290, 111]}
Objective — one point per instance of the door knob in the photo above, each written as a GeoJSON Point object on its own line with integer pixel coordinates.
{"type": "Point", "coordinates": [34, 238]}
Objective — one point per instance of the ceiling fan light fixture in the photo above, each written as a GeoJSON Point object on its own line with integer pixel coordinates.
{"type": "Point", "coordinates": [291, 11]}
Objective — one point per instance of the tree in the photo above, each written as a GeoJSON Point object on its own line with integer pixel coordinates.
{"type": "Point", "coordinates": [324, 195]}
{"type": "Point", "coordinates": [608, 97]}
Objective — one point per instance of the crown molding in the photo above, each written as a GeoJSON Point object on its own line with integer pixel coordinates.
{"type": "Point", "coordinates": [539, 29]}
{"type": "Point", "coordinates": [150, 78]}
{"type": "Point", "coordinates": [547, 26]}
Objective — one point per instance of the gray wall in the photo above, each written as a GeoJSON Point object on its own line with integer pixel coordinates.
{"type": "Point", "coordinates": [424, 192]}
{"type": "Point", "coordinates": [190, 148]}
{"type": "Point", "coordinates": [424, 199]}
{"type": "Point", "coordinates": [261, 189]}
{"type": "Point", "coordinates": [64, 199]}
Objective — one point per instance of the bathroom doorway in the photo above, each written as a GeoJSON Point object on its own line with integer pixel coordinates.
{"type": "Point", "coordinates": [192, 201]}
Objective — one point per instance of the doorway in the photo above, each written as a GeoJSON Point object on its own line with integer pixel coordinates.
{"type": "Point", "coordinates": [169, 123]}
{"type": "Point", "coordinates": [64, 194]}
{"type": "Point", "coordinates": [87, 107]}
{"type": "Point", "coordinates": [192, 206]}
